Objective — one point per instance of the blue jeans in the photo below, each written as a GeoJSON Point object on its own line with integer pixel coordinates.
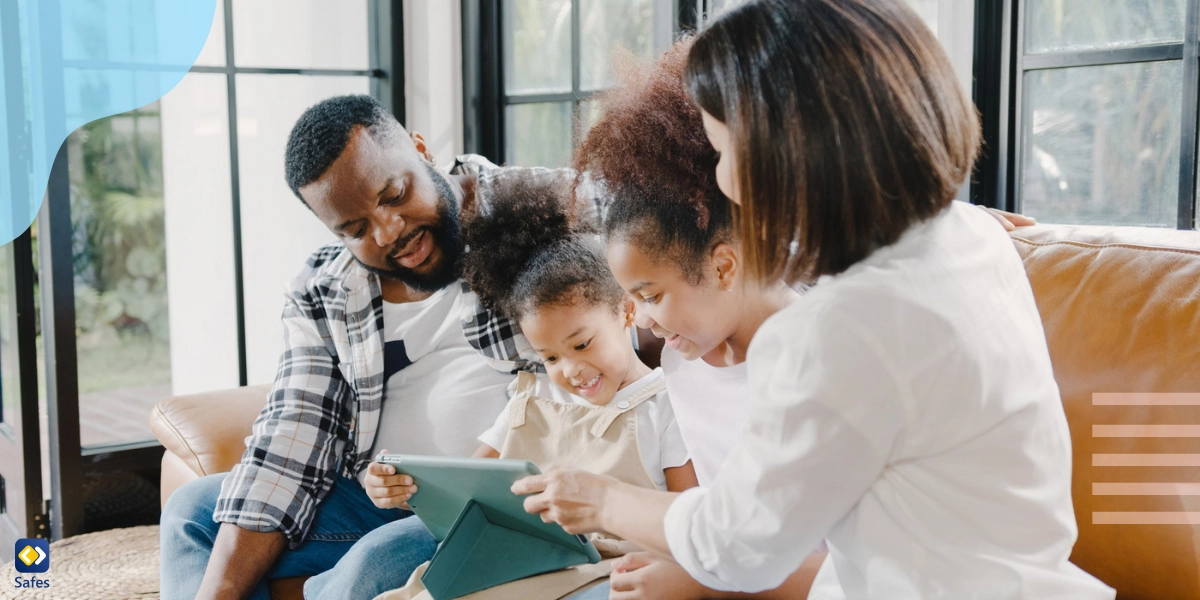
{"type": "Point", "coordinates": [355, 549]}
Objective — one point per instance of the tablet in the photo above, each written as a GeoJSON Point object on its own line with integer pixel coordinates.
{"type": "Point", "coordinates": [445, 486]}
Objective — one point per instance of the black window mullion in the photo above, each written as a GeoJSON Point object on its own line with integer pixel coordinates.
{"type": "Point", "coordinates": [1096, 58]}
{"type": "Point", "coordinates": [236, 194]}
{"type": "Point", "coordinates": [1188, 136]}
{"type": "Point", "coordinates": [483, 79]}
{"type": "Point", "coordinates": [1016, 176]}
{"type": "Point", "coordinates": [56, 277]}
{"type": "Point", "coordinates": [386, 42]}
{"type": "Point", "coordinates": [689, 15]}
{"type": "Point", "coordinates": [576, 70]}
{"type": "Point", "coordinates": [372, 72]}
{"type": "Point", "coordinates": [992, 81]}
{"type": "Point", "coordinates": [539, 98]}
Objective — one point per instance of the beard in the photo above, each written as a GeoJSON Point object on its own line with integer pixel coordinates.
{"type": "Point", "coordinates": [445, 235]}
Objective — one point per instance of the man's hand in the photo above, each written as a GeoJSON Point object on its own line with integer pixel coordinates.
{"type": "Point", "coordinates": [573, 499]}
{"type": "Point", "coordinates": [1010, 221]}
{"type": "Point", "coordinates": [641, 576]}
{"type": "Point", "coordinates": [386, 488]}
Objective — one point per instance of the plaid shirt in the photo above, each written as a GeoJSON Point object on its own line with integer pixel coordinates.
{"type": "Point", "coordinates": [322, 413]}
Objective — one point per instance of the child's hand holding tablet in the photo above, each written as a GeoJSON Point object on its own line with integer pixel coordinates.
{"type": "Point", "coordinates": [386, 487]}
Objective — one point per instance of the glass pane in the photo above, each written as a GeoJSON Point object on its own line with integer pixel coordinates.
{"type": "Point", "coordinates": [213, 53]}
{"type": "Point", "coordinates": [198, 202]}
{"type": "Point", "coordinates": [590, 111]}
{"type": "Point", "coordinates": [928, 9]}
{"type": "Point", "coordinates": [1056, 25]}
{"type": "Point", "coordinates": [301, 34]}
{"type": "Point", "coordinates": [121, 316]}
{"type": "Point", "coordinates": [1101, 144]}
{"type": "Point", "coordinates": [537, 46]}
{"type": "Point", "coordinates": [538, 135]}
{"type": "Point", "coordinates": [278, 232]}
{"type": "Point", "coordinates": [608, 27]}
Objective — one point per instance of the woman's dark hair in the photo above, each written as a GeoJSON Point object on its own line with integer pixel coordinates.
{"type": "Point", "coordinates": [847, 126]}
{"type": "Point", "coordinates": [525, 252]}
{"type": "Point", "coordinates": [649, 152]}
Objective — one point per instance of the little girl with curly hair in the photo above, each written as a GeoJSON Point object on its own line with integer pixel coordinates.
{"type": "Point", "coordinates": [597, 405]}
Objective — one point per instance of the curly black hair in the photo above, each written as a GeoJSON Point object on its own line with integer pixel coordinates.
{"type": "Point", "coordinates": [525, 252]}
{"type": "Point", "coordinates": [650, 151]}
{"type": "Point", "coordinates": [320, 135]}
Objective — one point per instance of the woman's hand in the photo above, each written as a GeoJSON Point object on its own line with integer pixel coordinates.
{"type": "Point", "coordinates": [641, 576]}
{"type": "Point", "coordinates": [386, 488]}
{"type": "Point", "coordinates": [1010, 221]}
{"type": "Point", "coordinates": [573, 499]}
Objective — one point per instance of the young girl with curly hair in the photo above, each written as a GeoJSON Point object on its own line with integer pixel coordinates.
{"type": "Point", "coordinates": [597, 403]}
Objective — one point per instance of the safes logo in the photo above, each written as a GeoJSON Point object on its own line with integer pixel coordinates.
{"type": "Point", "coordinates": [32, 555]}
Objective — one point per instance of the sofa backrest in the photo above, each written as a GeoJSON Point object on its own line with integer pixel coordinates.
{"type": "Point", "coordinates": [1121, 309]}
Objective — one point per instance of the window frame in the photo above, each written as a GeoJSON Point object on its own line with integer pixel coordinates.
{"type": "Point", "coordinates": [70, 462]}
{"type": "Point", "coordinates": [1001, 62]}
{"type": "Point", "coordinates": [485, 100]}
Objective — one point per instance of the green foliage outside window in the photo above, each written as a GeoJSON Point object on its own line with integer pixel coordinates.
{"type": "Point", "coordinates": [119, 252]}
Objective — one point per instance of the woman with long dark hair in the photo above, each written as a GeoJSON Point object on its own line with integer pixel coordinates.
{"type": "Point", "coordinates": [905, 409]}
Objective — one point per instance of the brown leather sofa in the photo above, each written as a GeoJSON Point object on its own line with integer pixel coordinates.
{"type": "Point", "coordinates": [1121, 308]}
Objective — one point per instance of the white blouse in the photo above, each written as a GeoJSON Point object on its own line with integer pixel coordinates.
{"type": "Point", "coordinates": [905, 411]}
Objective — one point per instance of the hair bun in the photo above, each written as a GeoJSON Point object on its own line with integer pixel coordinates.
{"type": "Point", "coordinates": [518, 212]}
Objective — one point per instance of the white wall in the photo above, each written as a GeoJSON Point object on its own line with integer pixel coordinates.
{"type": "Point", "coordinates": [278, 232]}
{"type": "Point", "coordinates": [956, 32]}
{"type": "Point", "coordinates": [198, 218]}
{"type": "Point", "coordinates": [433, 75]}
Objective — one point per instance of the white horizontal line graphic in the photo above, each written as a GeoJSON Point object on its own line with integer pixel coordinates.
{"type": "Point", "coordinates": [1146, 460]}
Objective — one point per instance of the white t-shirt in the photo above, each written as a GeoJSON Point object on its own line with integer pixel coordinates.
{"type": "Point", "coordinates": [711, 405]}
{"type": "Point", "coordinates": [658, 435]}
{"type": "Point", "coordinates": [906, 411]}
{"type": "Point", "coordinates": [439, 392]}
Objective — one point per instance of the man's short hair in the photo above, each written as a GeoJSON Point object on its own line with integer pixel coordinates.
{"type": "Point", "coordinates": [320, 135]}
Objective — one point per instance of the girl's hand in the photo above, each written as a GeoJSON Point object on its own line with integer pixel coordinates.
{"type": "Point", "coordinates": [386, 488]}
{"type": "Point", "coordinates": [573, 499]}
{"type": "Point", "coordinates": [641, 576]}
{"type": "Point", "coordinates": [1010, 221]}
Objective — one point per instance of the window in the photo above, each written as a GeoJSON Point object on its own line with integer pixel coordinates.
{"type": "Point", "coordinates": [530, 67]}
{"type": "Point", "coordinates": [174, 228]}
{"type": "Point", "coordinates": [164, 190]}
{"type": "Point", "coordinates": [531, 107]}
{"type": "Point", "coordinates": [1105, 111]}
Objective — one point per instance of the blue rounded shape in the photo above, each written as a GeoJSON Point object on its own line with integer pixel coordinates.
{"type": "Point", "coordinates": [69, 62]}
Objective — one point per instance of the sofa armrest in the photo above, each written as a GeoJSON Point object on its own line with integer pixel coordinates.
{"type": "Point", "coordinates": [208, 431]}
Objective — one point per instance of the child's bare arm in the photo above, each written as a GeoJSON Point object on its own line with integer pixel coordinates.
{"type": "Point", "coordinates": [486, 451]}
{"type": "Point", "coordinates": [681, 478]}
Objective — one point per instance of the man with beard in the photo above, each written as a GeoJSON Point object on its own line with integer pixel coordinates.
{"type": "Point", "coordinates": [382, 350]}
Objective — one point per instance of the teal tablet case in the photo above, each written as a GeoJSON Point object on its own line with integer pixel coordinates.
{"type": "Point", "coordinates": [486, 536]}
